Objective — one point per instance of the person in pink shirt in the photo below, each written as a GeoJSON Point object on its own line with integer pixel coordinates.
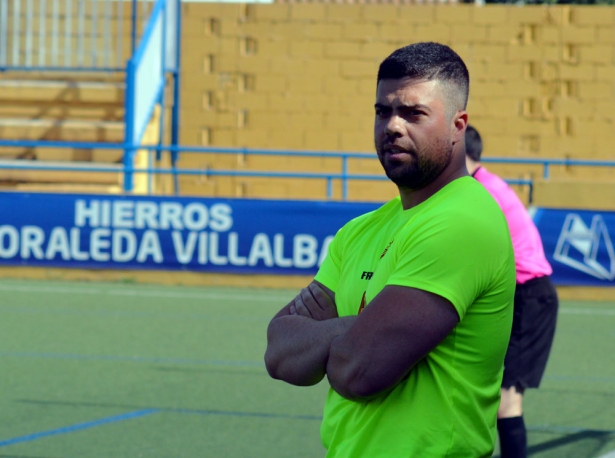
{"type": "Point", "coordinates": [536, 305]}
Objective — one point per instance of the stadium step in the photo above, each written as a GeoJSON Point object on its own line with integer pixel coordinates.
{"type": "Point", "coordinates": [71, 108]}
{"type": "Point", "coordinates": [73, 92]}
{"type": "Point", "coordinates": [38, 172]}
{"type": "Point", "coordinates": [61, 130]}
{"type": "Point", "coordinates": [108, 156]}
{"type": "Point", "coordinates": [77, 188]}
{"type": "Point", "coordinates": [99, 77]}
{"type": "Point", "coordinates": [34, 107]}
{"type": "Point", "coordinates": [53, 110]}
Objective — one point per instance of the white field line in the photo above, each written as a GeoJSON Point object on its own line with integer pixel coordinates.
{"type": "Point", "coordinates": [219, 296]}
{"type": "Point", "coordinates": [584, 311]}
{"type": "Point", "coordinates": [143, 293]}
{"type": "Point", "coordinates": [608, 455]}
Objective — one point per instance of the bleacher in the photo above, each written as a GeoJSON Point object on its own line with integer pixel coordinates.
{"type": "Point", "coordinates": [62, 109]}
{"type": "Point", "coordinates": [64, 94]}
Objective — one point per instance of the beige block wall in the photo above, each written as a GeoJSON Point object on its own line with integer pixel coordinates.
{"type": "Point", "coordinates": [579, 194]}
{"type": "Point", "coordinates": [302, 76]}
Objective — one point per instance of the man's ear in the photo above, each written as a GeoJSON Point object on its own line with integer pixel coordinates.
{"type": "Point", "coordinates": [460, 122]}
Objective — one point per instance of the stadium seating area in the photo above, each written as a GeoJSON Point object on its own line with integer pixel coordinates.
{"type": "Point", "coordinates": [61, 108]}
{"type": "Point", "coordinates": [300, 77]}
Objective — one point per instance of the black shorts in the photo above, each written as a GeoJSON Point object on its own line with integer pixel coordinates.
{"type": "Point", "coordinates": [532, 334]}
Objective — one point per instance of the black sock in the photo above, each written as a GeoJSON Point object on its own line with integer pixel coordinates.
{"type": "Point", "coordinates": [513, 439]}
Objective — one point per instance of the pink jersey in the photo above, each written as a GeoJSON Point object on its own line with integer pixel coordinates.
{"type": "Point", "coordinates": [529, 254]}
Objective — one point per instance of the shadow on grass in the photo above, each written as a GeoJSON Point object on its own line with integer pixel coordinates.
{"type": "Point", "coordinates": [582, 444]}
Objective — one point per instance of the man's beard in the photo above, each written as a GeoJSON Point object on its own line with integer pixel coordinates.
{"type": "Point", "coordinates": [422, 171]}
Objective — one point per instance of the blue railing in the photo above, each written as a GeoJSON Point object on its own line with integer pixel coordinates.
{"type": "Point", "coordinates": [157, 53]}
{"type": "Point", "coordinates": [546, 163]}
{"type": "Point", "coordinates": [343, 176]}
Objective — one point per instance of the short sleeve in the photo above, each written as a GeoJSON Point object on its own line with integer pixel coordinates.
{"type": "Point", "coordinates": [329, 271]}
{"type": "Point", "coordinates": [456, 258]}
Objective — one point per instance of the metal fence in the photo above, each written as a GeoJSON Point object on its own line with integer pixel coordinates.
{"type": "Point", "coordinates": [343, 176]}
{"type": "Point", "coordinates": [70, 35]}
{"type": "Point", "coordinates": [157, 54]}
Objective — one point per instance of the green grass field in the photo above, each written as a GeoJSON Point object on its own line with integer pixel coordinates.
{"type": "Point", "coordinates": [123, 370]}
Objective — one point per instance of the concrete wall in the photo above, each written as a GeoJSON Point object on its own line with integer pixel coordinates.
{"type": "Point", "coordinates": [302, 76]}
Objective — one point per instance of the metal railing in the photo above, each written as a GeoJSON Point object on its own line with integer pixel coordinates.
{"type": "Point", "coordinates": [547, 163]}
{"type": "Point", "coordinates": [343, 176]}
{"type": "Point", "coordinates": [157, 53]}
{"type": "Point", "coordinates": [70, 35]}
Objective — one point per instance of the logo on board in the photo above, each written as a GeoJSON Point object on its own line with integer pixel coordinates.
{"type": "Point", "coordinates": [587, 248]}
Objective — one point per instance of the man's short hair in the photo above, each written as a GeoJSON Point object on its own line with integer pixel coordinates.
{"type": "Point", "coordinates": [430, 61]}
{"type": "Point", "coordinates": [474, 144]}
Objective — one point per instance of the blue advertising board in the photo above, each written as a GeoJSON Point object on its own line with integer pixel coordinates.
{"type": "Point", "coordinates": [169, 233]}
{"type": "Point", "coordinates": [242, 235]}
{"type": "Point", "coordinates": [579, 245]}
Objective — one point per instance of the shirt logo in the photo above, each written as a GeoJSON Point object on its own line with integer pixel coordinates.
{"type": "Point", "coordinates": [367, 275]}
{"type": "Point", "coordinates": [386, 249]}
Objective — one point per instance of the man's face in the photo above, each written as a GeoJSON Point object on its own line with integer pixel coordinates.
{"type": "Point", "coordinates": [412, 131]}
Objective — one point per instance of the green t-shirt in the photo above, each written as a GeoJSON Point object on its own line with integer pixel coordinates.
{"type": "Point", "coordinates": [455, 244]}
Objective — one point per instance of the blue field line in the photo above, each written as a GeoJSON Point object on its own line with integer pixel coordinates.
{"type": "Point", "coordinates": [131, 359]}
{"type": "Point", "coordinates": [78, 427]}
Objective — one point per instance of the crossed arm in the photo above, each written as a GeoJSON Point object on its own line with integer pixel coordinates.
{"type": "Point", "coordinates": [363, 356]}
{"type": "Point", "coordinates": [300, 335]}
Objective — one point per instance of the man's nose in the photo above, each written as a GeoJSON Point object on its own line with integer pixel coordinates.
{"type": "Point", "coordinates": [394, 127]}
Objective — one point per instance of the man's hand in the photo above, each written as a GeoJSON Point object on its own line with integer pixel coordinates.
{"type": "Point", "coordinates": [314, 302]}
{"type": "Point", "coordinates": [300, 335]}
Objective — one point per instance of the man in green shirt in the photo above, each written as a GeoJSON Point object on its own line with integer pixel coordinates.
{"type": "Point", "coordinates": [410, 314]}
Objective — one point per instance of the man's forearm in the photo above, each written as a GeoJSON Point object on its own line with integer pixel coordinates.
{"type": "Point", "coordinates": [346, 373]}
{"type": "Point", "coordinates": [298, 347]}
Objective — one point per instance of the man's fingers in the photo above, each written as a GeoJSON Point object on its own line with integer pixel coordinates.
{"type": "Point", "coordinates": [309, 300]}
{"type": "Point", "coordinates": [301, 307]}
{"type": "Point", "coordinates": [321, 298]}
{"type": "Point", "coordinates": [326, 304]}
